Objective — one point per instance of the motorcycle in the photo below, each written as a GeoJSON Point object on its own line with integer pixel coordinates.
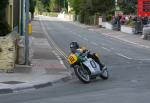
{"type": "Point", "coordinates": [86, 68]}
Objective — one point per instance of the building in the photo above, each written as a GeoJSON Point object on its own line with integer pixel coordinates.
{"type": "Point", "coordinates": [12, 13]}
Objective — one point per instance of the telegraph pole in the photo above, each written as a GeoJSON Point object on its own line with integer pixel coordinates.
{"type": "Point", "coordinates": [26, 33]}
{"type": "Point", "coordinates": [64, 4]}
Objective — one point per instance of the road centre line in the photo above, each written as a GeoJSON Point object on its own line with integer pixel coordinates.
{"type": "Point", "coordinates": [53, 43]}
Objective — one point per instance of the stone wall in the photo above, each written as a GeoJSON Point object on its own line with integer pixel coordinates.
{"type": "Point", "coordinates": [7, 53]}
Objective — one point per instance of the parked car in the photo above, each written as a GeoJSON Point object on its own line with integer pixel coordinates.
{"type": "Point", "coordinates": [146, 31]}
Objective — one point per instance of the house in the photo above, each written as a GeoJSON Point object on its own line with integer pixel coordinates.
{"type": "Point", "coordinates": [12, 13]}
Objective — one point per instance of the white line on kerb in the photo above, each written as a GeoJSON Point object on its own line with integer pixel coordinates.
{"type": "Point", "coordinates": [123, 56]}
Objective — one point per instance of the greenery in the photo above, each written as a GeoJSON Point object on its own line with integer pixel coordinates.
{"type": "Point", "coordinates": [32, 7]}
{"type": "Point", "coordinates": [130, 23]}
{"type": "Point", "coordinates": [53, 14]}
{"type": "Point", "coordinates": [4, 27]}
{"type": "Point", "coordinates": [54, 5]}
{"type": "Point", "coordinates": [128, 6]}
{"type": "Point", "coordinates": [51, 5]}
{"type": "Point", "coordinates": [89, 8]}
{"type": "Point", "coordinates": [39, 7]}
{"type": "Point", "coordinates": [87, 11]}
{"type": "Point", "coordinates": [108, 17]}
{"type": "Point", "coordinates": [3, 4]}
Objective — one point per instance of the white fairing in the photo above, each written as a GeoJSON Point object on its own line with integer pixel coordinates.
{"type": "Point", "coordinates": [92, 66]}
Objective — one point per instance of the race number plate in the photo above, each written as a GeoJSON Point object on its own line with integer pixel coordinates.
{"type": "Point", "coordinates": [72, 59]}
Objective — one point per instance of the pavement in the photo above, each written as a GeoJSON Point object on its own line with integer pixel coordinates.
{"type": "Point", "coordinates": [47, 67]}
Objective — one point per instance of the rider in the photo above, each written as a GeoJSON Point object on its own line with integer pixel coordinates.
{"type": "Point", "coordinates": [74, 47]}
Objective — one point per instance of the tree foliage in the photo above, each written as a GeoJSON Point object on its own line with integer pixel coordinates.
{"type": "Point", "coordinates": [3, 4]}
{"type": "Point", "coordinates": [32, 4]}
{"type": "Point", "coordinates": [54, 5]}
{"type": "Point", "coordinates": [57, 5]}
{"type": "Point", "coordinates": [39, 6]}
{"type": "Point", "coordinates": [91, 6]}
{"type": "Point", "coordinates": [128, 6]}
{"type": "Point", "coordinates": [51, 5]}
{"type": "Point", "coordinates": [4, 27]}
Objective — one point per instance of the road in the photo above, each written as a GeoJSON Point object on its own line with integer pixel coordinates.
{"type": "Point", "coordinates": [128, 66]}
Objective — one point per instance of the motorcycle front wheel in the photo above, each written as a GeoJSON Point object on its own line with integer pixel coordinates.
{"type": "Point", "coordinates": [82, 74]}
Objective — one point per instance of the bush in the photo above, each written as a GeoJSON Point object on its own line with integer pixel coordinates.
{"type": "Point", "coordinates": [108, 17]}
{"type": "Point", "coordinates": [53, 14]}
{"type": "Point", "coordinates": [4, 29]}
{"type": "Point", "coordinates": [130, 23]}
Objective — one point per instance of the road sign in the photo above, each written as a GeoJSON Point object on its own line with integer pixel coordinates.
{"type": "Point", "coordinates": [143, 7]}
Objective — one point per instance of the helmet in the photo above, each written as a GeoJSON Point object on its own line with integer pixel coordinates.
{"type": "Point", "coordinates": [74, 46]}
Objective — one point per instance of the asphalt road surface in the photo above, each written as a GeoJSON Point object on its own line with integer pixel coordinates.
{"type": "Point", "coordinates": [129, 67]}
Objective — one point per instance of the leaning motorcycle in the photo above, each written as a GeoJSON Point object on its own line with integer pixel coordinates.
{"type": "Point", "coordinates": [86, 68]}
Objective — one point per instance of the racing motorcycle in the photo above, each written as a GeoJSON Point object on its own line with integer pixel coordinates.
{"type": "Point", "coordinates": [86, 68]}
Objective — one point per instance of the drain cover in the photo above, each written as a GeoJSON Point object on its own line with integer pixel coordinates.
{"type": "Point", "coordinates": [12, 82]}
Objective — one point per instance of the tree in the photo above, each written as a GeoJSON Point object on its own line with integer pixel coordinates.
{"type": "Point", "coordinates": [46, 4]}
{"type": "Point", "coordinates": [32, 7]}
{"type": "Point", "coordinates": [57, 5]}
{"type": "Point", "coordinates": [92, 7]}
{"type": "Point", "coordinates": [128, 6]}
{"type": "Point", "coordinates": [39, 6]}
{"type": "Point", "coordinates": [4, 27]}
{"type": "Point", "coordinates": [54, 5]}
{"type": "Point", "coordinates": [3, 4]}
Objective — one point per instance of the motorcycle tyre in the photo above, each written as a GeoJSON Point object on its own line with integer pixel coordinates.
{"type": "Point", "coordinates": [76, 70]}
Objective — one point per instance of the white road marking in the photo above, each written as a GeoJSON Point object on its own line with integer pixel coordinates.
{"type": "Point", "coordinates": [142, 59]}
{"type": "Point", "coordinates": [106, 48]}
{"type": "Point", "coordinates": [103, 44]}
{"type": "Point", "coordinates": [53, 43]}
{"type": "Point", "coordinates": [80, 36]}
{"type": "Point", "coordinates": [124, 56]}
{"type": "Point", "coordinates": [85, 39]}
{"type": "Point", "coordinates": [127, 41]}
{"type": "Point", "coordinates": [94, 43]}
{"type": "Point", "coordinates": [112, 48]}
